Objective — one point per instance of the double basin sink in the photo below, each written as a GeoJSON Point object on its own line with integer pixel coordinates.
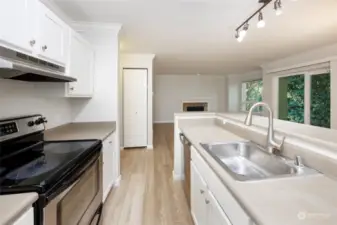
{"type": "Point", "coordinates": [246, 161]}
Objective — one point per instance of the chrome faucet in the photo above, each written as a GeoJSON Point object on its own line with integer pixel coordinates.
{"type": "Point", "coordinates": [271, 143]}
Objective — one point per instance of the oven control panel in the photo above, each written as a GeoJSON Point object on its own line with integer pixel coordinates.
{"type": "Point", "coordinates": [8, 128]}
{"type": "Point", "coordinates": [19, 126]}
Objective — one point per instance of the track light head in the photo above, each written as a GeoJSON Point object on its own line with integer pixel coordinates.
{"type": "Point", "coordinates": [278, 7]}
{"type": "Point", "coordinates": [261, 22]}
{"type": "Point", "coordinates": [239, 37]}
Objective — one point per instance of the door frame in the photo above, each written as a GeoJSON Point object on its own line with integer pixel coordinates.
{"type": "Point", "coordinates": [147, 101]}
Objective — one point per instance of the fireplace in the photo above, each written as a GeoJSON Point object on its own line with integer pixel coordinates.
{"type": "Point", "coordinates": [195, 107]}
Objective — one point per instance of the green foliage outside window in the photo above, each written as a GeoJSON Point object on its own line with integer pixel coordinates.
{"type": "Point", "coordinates": [320, 100]}
{"type": "Point", "coordinates": [295, 96]}
{"type": "Point", "coordinates": [253, 93]}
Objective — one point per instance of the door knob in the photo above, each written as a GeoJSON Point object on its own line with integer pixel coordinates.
{"type": "Point", "coordinates": [44, 48]}
{"type": "Point", "coordinates": [206, 201]}
{"type": "Point", "coordinates": [202, 191]}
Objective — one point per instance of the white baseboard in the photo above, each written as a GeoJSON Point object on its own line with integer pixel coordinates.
{"type": "Point", "coordinates": [115, 183]}
{"type": "Point", "coordinates": [167, 121]}
{"type": "Point", "coordinates": [107, 191]}
{"type": "Point", "coordinates": [178, 176]}
{"type": "Point", "coordinates": [150, 147]}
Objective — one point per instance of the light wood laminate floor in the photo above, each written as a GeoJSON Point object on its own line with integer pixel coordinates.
{"type": "Point", "coordinates": [147, 194]}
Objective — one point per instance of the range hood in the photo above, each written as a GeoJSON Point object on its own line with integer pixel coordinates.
{"type": "Point", "coordinates": [18, 66]}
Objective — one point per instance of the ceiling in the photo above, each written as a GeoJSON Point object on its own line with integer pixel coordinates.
{"type": "Point", "coordinates": [197, 36]}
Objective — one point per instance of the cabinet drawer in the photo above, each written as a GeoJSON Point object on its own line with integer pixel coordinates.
{"type": "Point", "coordinates": [227, 202]}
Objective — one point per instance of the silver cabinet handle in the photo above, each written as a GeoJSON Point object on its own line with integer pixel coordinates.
{"type": "Point", "coordinates": [181, 137]}
{"type": "Point", "coordinates": [202, 191]}
{"type": "Point", "coordinates": [32, 42]}
{"type": "Point", "coordinates": [72, 88]}
{"type": "Point", "coordinates": [44, 48]}
{"type": "Point", "coordinates": [206, 201]}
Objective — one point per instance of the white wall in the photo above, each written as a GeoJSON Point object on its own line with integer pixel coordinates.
{"type": "Point", "coordinates": [319, 55]}
{"type": "Point", "coordinates": [23, 98]}
{"type": "Point", "coordinates": [143, 61]}
{"type": "Point", "coordinates": [234, 88]}
{"type": "Point", "coordinates": [170, 91]}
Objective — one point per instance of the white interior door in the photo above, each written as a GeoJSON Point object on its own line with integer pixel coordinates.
{"type": "Point", "coordinates": [135, 107]}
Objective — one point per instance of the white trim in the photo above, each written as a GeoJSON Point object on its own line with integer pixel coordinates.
{"type": "Point", "coordinates": [307, 98]}
{"type": "Point", "coordinates": [301, 68]}
{"type": "Point", "coordinates": [164, 121]}
{"type": "Point", "coordinates": [115, 183]}
{"type": "Point", "coordinates": [92, 26]}
{"type": "Point", "coordinates": [178, 176]}
{"type": "Point", "coordinates": [149, 147]}
{"type": "Point", "coordinates": [107, 191]}
{"type": "Point", "coordinates": [194, 218]}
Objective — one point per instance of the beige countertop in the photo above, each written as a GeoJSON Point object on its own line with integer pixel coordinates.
{"type": "Point", "coordinates": [79, 131]}
{"type": "Point", "coordinates": [13, 206]}
{"type": "Point", "coordinates": [309, 200]}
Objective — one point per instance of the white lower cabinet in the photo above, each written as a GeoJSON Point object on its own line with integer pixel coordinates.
{"type": "Point", "coordinates": [215, 214]}
{"type": "Point", "coordinates": [110, 164]}
{"type": "Point", "coordinates": [206, 187]}
{"type": "Point", "coordinates": [26, 219]}
{"type": "Point", "coordinates": [198, 192]}
{"type": "Point", "coordinates": [204, 207]}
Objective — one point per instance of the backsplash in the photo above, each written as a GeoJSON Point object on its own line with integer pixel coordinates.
{"type": "Point", "coordinates": [21, 98]}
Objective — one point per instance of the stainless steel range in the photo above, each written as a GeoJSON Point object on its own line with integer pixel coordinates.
{"type": "Point", "coordinates": [67, 175]}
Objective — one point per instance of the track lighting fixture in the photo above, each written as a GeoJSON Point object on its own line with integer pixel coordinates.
{"type": "Point", "coordinates": [278, 7]}
{"type": "Point", "coordinates": [241, 30]}
{"type": "Point", "coordinates": [261, 22]}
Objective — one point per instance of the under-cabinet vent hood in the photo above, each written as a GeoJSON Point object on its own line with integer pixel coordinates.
{"type": "Point", "coordinates": [18, 66]}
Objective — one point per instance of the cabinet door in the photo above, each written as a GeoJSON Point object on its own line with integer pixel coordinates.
{"type": "Point", "coordinates": [80, 66]}
{"type": "Point", "coordinates": [108, 166]}
{"type": "Point", "coordinates": [26, 219]}
{"type": "Point", "coordinates": [215, 214]}
{"type": "Point", "coordinates": [17, 24]}
{"type": "Point", "coordinates": [198, 192]}
{"type": "Point", "coordinates": [52, 36]}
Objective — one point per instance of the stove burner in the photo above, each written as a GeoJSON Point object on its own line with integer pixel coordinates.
{"type": "Point", "coordinates": [33, 169]}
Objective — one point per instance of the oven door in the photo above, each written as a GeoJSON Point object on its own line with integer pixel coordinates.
{"type": "Point", "coordinates": [80, 204]}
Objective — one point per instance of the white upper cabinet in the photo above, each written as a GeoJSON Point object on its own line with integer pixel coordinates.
{"type": "Point", "coordinates": [28, 26]}
{"type": "Point", "coordinates": [18, 25]}
{"type": "Point", "coordinates": [53, 34]}
{"type": "Point", "coordinates": [80, 66]}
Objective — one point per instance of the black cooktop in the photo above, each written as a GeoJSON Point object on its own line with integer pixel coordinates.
{"type": "Point", "coordinates": [42, 166]}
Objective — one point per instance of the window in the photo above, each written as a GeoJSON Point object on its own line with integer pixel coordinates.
{"type": "Point", "coordinates": [251, 93]}
{"type": "Point", "coordinates": [305, 98]}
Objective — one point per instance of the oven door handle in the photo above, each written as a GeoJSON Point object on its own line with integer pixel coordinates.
{"type": "Point", "coordinates": [69, 181]}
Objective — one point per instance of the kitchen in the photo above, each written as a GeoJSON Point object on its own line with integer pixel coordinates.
{"type": "Point", "coordinates": [68, 68]}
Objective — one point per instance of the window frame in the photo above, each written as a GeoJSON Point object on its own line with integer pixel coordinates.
{"type": "Point", "coordinates": [244, 102]}
{"type": "Point", "coordinates": [307, 92]}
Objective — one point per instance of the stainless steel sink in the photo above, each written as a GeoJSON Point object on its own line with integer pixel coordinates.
{"type": "Point", "coordinates": [246, 161]}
